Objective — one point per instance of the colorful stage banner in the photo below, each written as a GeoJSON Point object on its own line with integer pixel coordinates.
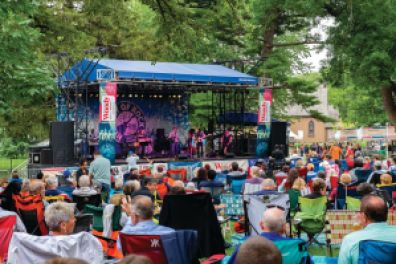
{"type": "Point", "coordinates": [107, 120]}
{"type": "Point", "coordinates": [264, 122]}
{"type": "Point", "coordinates": [191, 166]}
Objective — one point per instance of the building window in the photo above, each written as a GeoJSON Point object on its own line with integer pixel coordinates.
{"type": "Point", "coordinates": [311, 129]}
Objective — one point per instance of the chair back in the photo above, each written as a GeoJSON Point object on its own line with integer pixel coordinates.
{"type": "Point", "coordinates": [83, 223]}
{"type": "Point", "coordinates": [236, 186]}
{"type": "Point", "coordinates": [339, 223]}
{"type": "Point", "coordinates": [233, 204]}
{"type": "Point", "coordinates": [344, 165]}
{"type": "Point", "coordinates": [7, 224]}
{"type": "Point", "coordinates": [251, 188]}
{"type": "Point", "coordinates": [31, 210]}
{"type": "Point", "coordinates": [313, 207]}
{"type": "Point", "coordinates": [279, 179]}
{"type": "Point", "coordinates": [293, 198]}
{"type": "Point", "coordinates": [362, 174]}
{"type": "Point", "coordinates": [145, 245]}
{"type": "Point", "coordinates": [292, 250]}
{"type": "Point", "coordinates": [389, 189]}
{"type": "Point", "coordinates": [352, 203]}
{"type": "Point", "coordinates": [81, 201]}
{"type": "Point", "coordinates": [221, 178]}
{"type": "Point", "coordinates": [215, 192]}
{"type": "Point", "coordinates": [97, 212]}
{"type": "Point", "coordinates": [373, 251]}
{"type": "Point", "coordinates": [333, 182]}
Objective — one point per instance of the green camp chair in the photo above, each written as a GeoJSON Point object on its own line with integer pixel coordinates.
{"type": "Point", "coordinates": [294, 251]}
{"type": "Point", "coordinates": [311, 217]}
{"type": "Point", "coordinates": [293, 198]}
{"type": "Point", "coordinates": [352, 203]}
{"type": "Point", "coordinates": [97, 213]}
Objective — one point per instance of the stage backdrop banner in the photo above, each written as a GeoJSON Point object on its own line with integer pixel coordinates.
{"type": "Point", "coordinates": [225, 165]}
{"type": "Point", "coordinates": [264, 122]}
{"type": "Point", "coordinates": [107, 120]}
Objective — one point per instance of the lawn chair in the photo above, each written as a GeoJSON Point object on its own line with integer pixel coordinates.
{"type": "Point", "coordinates": [215, 192]}
{"type": "Point", "coordinates": [7, 224]}
{"type": "Point", "coordinates": [372, 251]}
{"type": "Point", "coordinates": [81, 201]}
{"type": "Point", "coordinates": [178, 174]}
{"type": "Point", "coordinates": [362, 174]}
{"type": "Point", "coordinates": [293, 251]}
{"type": "Point", "coordinates": [83, 223]}
{"type": "Point", "coordinates": [54, 198]}
{"type": "Point", "coordinates": [311, 217]}
{"type": "Point", "coordinates": [236, 186]}
{"type": "Point", "coordinates": [352, 203]}
{"type": "Point", "coordinates": [31, 211]}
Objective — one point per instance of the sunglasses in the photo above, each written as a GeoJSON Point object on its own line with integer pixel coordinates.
{"type": "Point", "coordinates": [276, 206]}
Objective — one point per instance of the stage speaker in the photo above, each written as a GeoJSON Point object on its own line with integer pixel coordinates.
{"type": "Point", "coordinates": [46, 156]}
{"type": "Point", "coordinates": [62, 142]}
{"type": "Point", "coordinates": [210, 126]}
{"type": "Point", "coordinates": [252, 142]}
{"type": "Point", "coordinates": [279, 136]}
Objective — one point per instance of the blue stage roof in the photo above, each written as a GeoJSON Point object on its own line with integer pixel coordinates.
{"type": "Point", "coordinates": [86, 70]}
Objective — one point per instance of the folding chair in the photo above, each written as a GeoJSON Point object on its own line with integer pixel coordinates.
{"type": "Point", "coordinates": [81, 201]}
{"type": "Point", "coordinates": [311, 217]}
{"type": "Point", "coordinates": [53, 199]}
{"type": "Point", "coordinates": [293, 250]}
{"type": "Point", "coordinates": [236, 186]}
{"type": "Point", "coordinates": [362, 174]}
{"type": "Point", "coordinates": [178, 174]}
{"type": "Point", "coordinates": [145, 245]}
{"type": "Point", "coordinates": [372, 251]}
{"type": "Point", "coordinates": [215, 192]}
{"type": "Point", "coordinates": [31, 211]}
{"type": "Point", "coordinates": [7, 224]}
{"type": "Point", "coordinates": [83, 223]}
{"type": "Point", "coordinates": [352, 203]}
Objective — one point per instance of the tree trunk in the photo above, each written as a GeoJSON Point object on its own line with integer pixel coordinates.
{"type": "Point", "coordinates": [389, 103]}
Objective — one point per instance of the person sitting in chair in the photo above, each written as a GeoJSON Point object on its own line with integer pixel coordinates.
{"type": "Point", "coordinates": [52, 188]}
{"type": "Point", "coordinates": [319, 189]}
{"type": "Point", "coordinates": [141, 211]}
{"type": "Point", "coordinates": [268, 187]}
{"type": "Point", "coordinates": [60, 219]}
{"type": "Point", "coordinates": [211, 182]}
{"type": "Point", "coordinates": [235, 170]}
{"type": "Point", "coordinates": [372, 217]}
{"type": "Point", "coordinates": [85, 187]}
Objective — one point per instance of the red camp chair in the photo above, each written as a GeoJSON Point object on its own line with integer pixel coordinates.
{"type": "Point", "coordinates": [279, 179]}
{"type": "Point", "coordinates": [7, 224]}
{"type": "Point", "coordinates": [145, 172]}
{"type": "Point", "coordinates": [333, 182]}
{"type": "Point", "coordinates": [31, 211]}
{"type": "Point", "coordinates": [146, 245]}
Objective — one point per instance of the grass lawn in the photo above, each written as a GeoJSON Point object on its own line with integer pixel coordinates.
{"type": "Point", "coordinates": [5, 165]}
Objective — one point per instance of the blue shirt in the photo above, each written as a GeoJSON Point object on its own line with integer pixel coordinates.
{"type": "Point", "coordinates": [144, 228]}
{"type": "Point", "coordinates": [100, 168]}
{"type": "Point", "coordinates": [349, 252]}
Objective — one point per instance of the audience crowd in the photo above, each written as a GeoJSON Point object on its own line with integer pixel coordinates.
{"type": "Point", "coordinates": [50, 206]}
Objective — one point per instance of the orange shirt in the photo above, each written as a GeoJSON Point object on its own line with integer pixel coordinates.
{"type": "Point", "coordinates": [335, 152]}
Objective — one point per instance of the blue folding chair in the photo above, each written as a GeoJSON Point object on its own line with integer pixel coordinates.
{"type": "Point", "coordinates": [221, 178]}
{"type": "Point", "coordinates": [236, 186]}
{"type": "Point", "coordinates": [344, 165]}
{"type": "Point", "coordinates": [373, 251]}
{"type": "Point", "coordinates": [362, 174]}
{"type": "Point", "coordinates": [311, 175]}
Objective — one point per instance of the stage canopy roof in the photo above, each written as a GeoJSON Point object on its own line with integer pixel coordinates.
{"type": "Point", "coordinates": [91, 71]}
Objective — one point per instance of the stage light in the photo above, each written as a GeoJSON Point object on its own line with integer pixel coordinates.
{"type": "Point", "coordinates": [174, 96]}
{"type": "Point", "coordinates": [123, 95]}
{"type": "Point", "coordinates": [90, 95]}
{"type": "Point", "coordinates": [155, 96]}
{"type": "Point", "coordinates": [79, 95]}
{"type": "Point", "coordinates": [130, 95]}
{"type": "Point", "coordinates": [96, 95]}
{"type": "Point", "coordinates": [142, 96]}
{"type": "Point", "coordinates": [150, 95]}
{"type": "Point", "coordinates": [136, 95]}
{"type": "Point", "coordinates": [179, 96]}
{"type": "Point", "coordinates": [160, 96]}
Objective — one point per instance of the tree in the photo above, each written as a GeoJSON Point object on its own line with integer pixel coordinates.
{"type": "Point", "coordinates": [363, 49]}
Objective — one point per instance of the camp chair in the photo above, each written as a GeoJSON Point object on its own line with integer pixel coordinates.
{"type": "Point", "coordinates": [279, 179]}
{"type": "Point", "coordinates": [362, 174]}
{"type": "Point", "coordinates": [372, 251]}
{"type": "Point", "coordinates": [83, 223]}
{"type": "Point", "coordinates": [31, 211]}
{"type": "Point", "coordinates": [25, 248]}
{"type": "Point", "coordinates": [7, 224]}
{"type": "Point", "coordinates": [294, 251]}
{"type": "Point", "coordinates": [54, 198]}
{"type": "Point", "coordinates": [236, 186]}
{"type": "Point", "coordinates": [215, 192]}
{"type": "Point", "coordinates": [311, 217]}
{"type": "Point", "coordinates": [389, 189]}
{"type": "Point", "coordinates": [293, 199]}
{"type": "Point", "coordinates": [146, 245]}
{"type": "Point", "coordinates": [352, 203]}
{"type": "Point", "coordinates": [97, 213]}
{"type": "Point", "coordinates": [221, 177]}
{"type": "Point", "coordinates": [344, 165]}
{"type": "Point", "coordinates": [81, 201]}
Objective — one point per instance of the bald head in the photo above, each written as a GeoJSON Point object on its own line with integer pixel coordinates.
{"type": "Point", "coordinates": [374, 208]}
{"type": "Point", "coordinates": [274, 220]}
{"type": "Point", "coordinates": [268, 184]}
{"type": "Point", "coordinates": [143, 207]}
{"type": "Point", "coordinates": [258, 250]}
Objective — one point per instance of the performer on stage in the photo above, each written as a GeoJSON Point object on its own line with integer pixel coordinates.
{"type": "Point", "coordinates": [226, 141]}
{"type": "Point", "coordinates": [190, 141]}
{"type": "Point", "coordinates": [199, 139]}
{"type": "Point", "coordinates": [174, 138]}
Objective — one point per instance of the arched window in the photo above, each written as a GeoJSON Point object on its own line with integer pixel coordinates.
{"type": "Point", "coordinates": [311, 129]}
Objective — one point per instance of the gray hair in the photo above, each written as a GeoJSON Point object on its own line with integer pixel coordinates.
{"type": "Point", "coordinates": [35, 187]}
{"type": "Point", "coordinates": [268, 183]}
{"type": "Point", "coordinates": [56, 213]}
{"type": "Point", "coordinates": [25, 185]}
{"type": "Point", "coordinates": [274, 219]}
{"type": "Point", "coordinates": [131, 186]}
{"type": "Point", "coordinates": [52, 181]}
{"type": "Point", "coordinates": [143, 206]}
{"type": "Point", "coordinates": [178, 183]}
{"type": "Point", "coordinates": [84, 181]}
